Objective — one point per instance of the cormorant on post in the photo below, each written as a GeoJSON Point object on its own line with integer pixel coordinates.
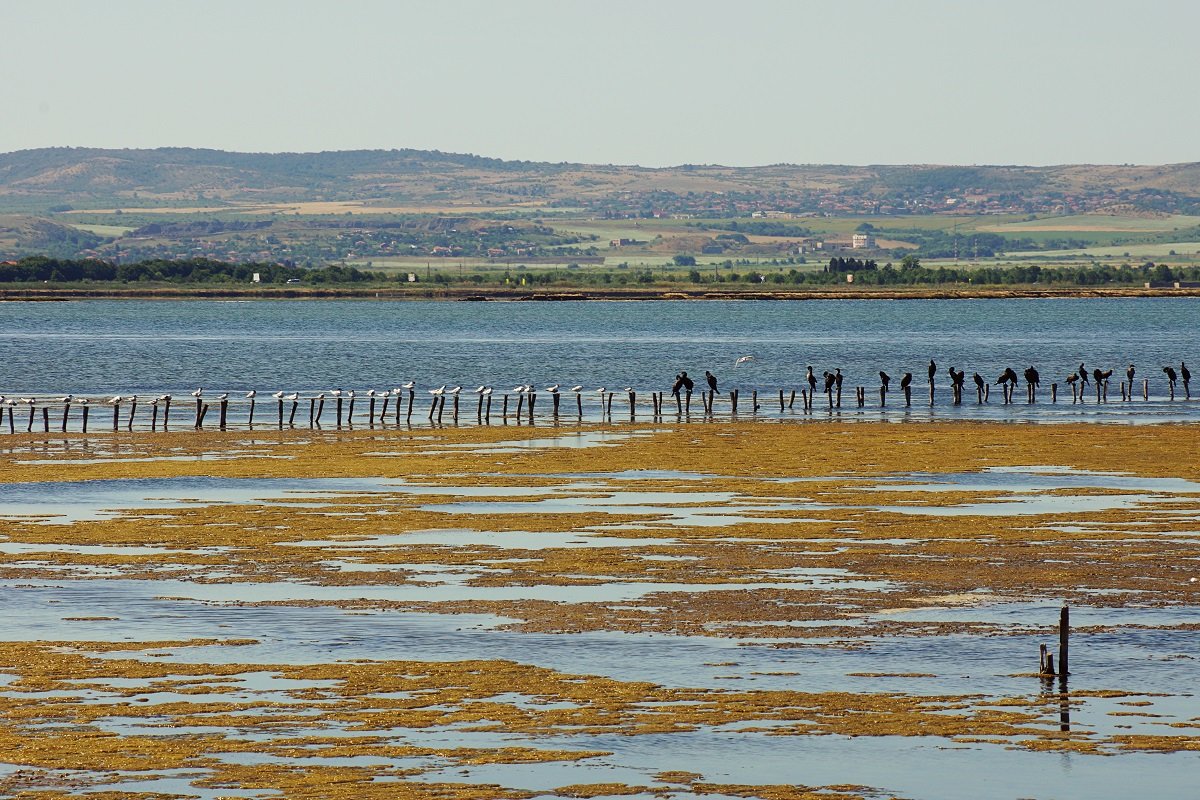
{"type": "Point", "coordinates": [1032, 377]}
{"type": "Point", "coordinates": [1074, 376]}
{"type": "Point", "coordinates": [830, 379]}
{"type": "Point", "coordinates": [905, 381]}
{"type": "Point", "coordinates": [978, 381]}
{"type": "Point", "coordinates": [1129, 373]}
{"type": "Point", "coordinates": [677, 385]}
{"type": "Point", "coordinates": [1101, 376]}
{"type": "Point", "coordinates": [812, 380]}
{"type": "Point", "coordinates": [1186, 374]}
{"type": "Point", "coordinates": [1083, 375]}
{"type": "Point", "coordinates": [932, 370]}
{"type": "Point", "coordinates": [1171, 376]}
{"type": "Point", "coordinates": [712, 381]}
{"type": "Point", "coordinates": [884, 380]}
{"type": "Point", "coordinates": [837, 377]}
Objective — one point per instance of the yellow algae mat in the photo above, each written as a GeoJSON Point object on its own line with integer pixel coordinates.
{"type": "Point", "coordinates": [660, 610]}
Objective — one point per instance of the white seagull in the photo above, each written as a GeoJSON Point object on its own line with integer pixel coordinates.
{"type": "Point", "coordinates": [552, 389]}
{"type": "Point", "coordinates": [743, 360]}
{"type": "Point", "coordinates": [277, 395]}
{"type": "Point", "coordinates": [199, 391]}
{"type": "Point", "coordinates": [577, 389]}
{"type": "Point", "coordinates": [455, 390]}
{"type": "Point", "coordinates": [251, 393]}
{"type": "Point", "coordinates": [438, 391]}
{"type": "Point", "coordinates": [478, 389]}
{"type": "Point", "coordinates": [408, 385]}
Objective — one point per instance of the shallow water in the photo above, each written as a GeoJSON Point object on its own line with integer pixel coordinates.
{"type": "Point", "coordinates": [106, 347]}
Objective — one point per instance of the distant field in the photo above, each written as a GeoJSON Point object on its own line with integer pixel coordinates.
{"type": "Point", "coordinates": [324, 208]}
{"type": "Point", "coordinates": [1095, 223]}
{"type": "Point", "coordinates": [1186, 250]}
{"type": "Point", "coordinates": [104, 230]}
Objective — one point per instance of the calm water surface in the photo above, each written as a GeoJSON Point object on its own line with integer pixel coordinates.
{"type": "Point", "coordinates": [131, 345]}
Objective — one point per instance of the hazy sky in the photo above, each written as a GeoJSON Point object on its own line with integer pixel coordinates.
{"type": "Point", "coordinates": [651, 82]}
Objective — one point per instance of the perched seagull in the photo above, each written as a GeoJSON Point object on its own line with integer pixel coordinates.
{"type": "Point", "coordinates": [408, 385]}
{"type": "Point", "coordinates": [350, 393]}
{"type": "Point", "coordinates": [743, 360]}
{"type": "Point", "coordinates": [438, 391]}
{"type": "Point", "coordinates": [164, 397]}
{"type": "Point", "coordinates": [371, 392]}
{"type": "Point", "coordinates": [552, 389]}
{"type": "Point", "coordinates": [199, 391]}
{"type": "Point", "coordinates": [292, 396]}
{"type": "Point", "coordinates": [478, 389]}
{"type": "Point", "coordinates": [336, 392]}
{"type": "Point", "coordinates": [250, 394]}
{"type": "Point", "coordinates": [602, 390]}
{"type": "Point", "coordinates": [64, 399]}
{"type": "Point", "coordinates": [277, 395]}
{"type": "Point", "coordinates": [519, 389]}
{"type": "Point", "coordinates": [455, 390]}
{"type": "Point", "coordinates": [223, 396]}
{"type": "Point", "coordinates": [577, 389]}
{"type": "Point", "coordinates": [487, 390]}
{"type": "Point", "coordinates": [628, 389]}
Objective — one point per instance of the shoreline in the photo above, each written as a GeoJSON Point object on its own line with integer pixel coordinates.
{"type": "Point", "coordinates": [473, 294]}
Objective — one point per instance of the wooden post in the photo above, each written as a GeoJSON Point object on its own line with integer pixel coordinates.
{"type": "Point", "coordinates": [66, 413]}
{"type": "Point", "coordinates": [1064, 634]}
{"type": "Point", "coordinates": [312, 412]}
{"type": "Point", "coordinates": [579, 405]}
{"type": "Point", "coordinates": [85, 415]}
{"type": "Point", "coordinates": [610, 402]}
{"type": "Point", "coordinates": [224, 412]}
{"type": "Point", "coordinates": [678, 404]}
{"type": "Point", "coordinates": [203, 412]}
{"type": "Point", "coordinates": [931, 393]}
{"type": "Point", "coordinates": [754, 401]}
{"type": "Point", "coordinates": [292, 415]}
{"type": "Point", "coordinates": [196, 422]}
{"type": "Point", "coordinates": [781, 401]}
{"type": "Point", "coordinates": [280, 412]}
{"type": "Point", "coordinates": [805, 400]}
{"type": "Point", "coordinates": [339, 411]}
{"type": "Point", "coordinates": [370, 410]}
{"type": "Point", "coordinates": [11, 426]}
{"type": "Point", "coordinates": [882, 397]}
{"type": "Point", "coordinates": [632, 399]}
{"type": "Point", "coordinates": [456, 408]}
{"type": "Point", "coordinates": [987, 391]}
{"type": "Point", "coordinates": [433, 407]}
{"type": "Point", "coordinates": [479, 409]}
{"type": "Point", "coordinates": [441, 405]}
{"type": "Point", "coordinates": [116, 414]}
{"type": "Point", "coordinates": [1145, 388]}
{"type": "Point", "coordinates": [45, 419]}
{"type": "Point", "coordinates": [487, 411]}
{"type": "Point", "coordinates": [387, 399]}
{"type": "Point", "coordinates": [908, 396]}
{"type": "Point", "coordinates": [251, 421]}
{"type": "Point", "coordinates": [320, 408]}
{"type": "Point", "coordinates": [791, 399]}
{"type": "Point", "coordinates": [687, 402]}
{"type": "Point", "coordinates": [1123, 398]}
{"type": "Point", "coordinates": [350, 410]}
{"type": "Point", "coordinates": [504, 409]}
{"type": "Point", "coordinates": [555, 400]}
{"type": "Point", "coordinates": [532, 400]}
{"type": "Point", "coordinates": [166, 412]}
{"type": "Point", "coordinates": [153, 415]}
{"type": "Point", "coordinates": [1054, 393]}
{"type": "Point", "coordinates": [29, 427]}
{"type": "Point", "coordinates": [132, 410]}
{"type": "Point", "coordinates": [1045, 662]}
{"type": "Point", "coordinates": [733, 398]}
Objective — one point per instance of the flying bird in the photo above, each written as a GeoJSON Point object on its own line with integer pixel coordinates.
{"type": "Point", "coordinates": [743, 360]}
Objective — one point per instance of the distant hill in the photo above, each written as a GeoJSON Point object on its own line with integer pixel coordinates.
{"type": "Point", "coordinates": [56, 178]}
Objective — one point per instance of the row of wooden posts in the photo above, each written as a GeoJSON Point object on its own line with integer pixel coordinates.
{"type": "Point", "coordinates": [524, 405]}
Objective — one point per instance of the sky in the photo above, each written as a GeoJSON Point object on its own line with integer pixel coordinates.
{"type": "Point", "coordinates": [652, 82]}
